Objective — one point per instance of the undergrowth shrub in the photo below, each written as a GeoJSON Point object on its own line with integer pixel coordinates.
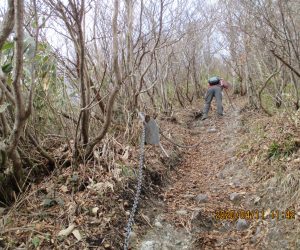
{"type": "Point", "coordinates": [285, 149]}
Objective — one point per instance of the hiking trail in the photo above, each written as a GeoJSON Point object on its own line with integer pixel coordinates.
{"type": "Point", "coordinates": [209, 179]}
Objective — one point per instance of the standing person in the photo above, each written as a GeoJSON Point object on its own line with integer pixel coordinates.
{"type": "Point", "coordinates": [215, 88]}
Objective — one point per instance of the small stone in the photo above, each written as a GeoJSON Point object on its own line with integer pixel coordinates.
{"type": "Point", "coordinates": [234, 196]}
{"type": "Point", "coordinates": [212, 130]}
{"type": "Point", "coordinates": [220, 175]}
{"type": "Point", "coordinates": [161, 217]}
{"type": "Point", "coordinates": [158, 224]}
{"type": "Point", "coordinates": [150, 245]}
{"type": "Point", "coordinates": [242, 224]}
{"type": "Point", "coordinates": [179, 242]}
{"type": "Point", "coordinates": [201, 198]}
{"type": "Point", "coordinates": [181, 212]}
{"type": "Point", "coordinates": [284, 244]}
{"type": "Point", "coordinates": [236, 183]}
{"type": "Point", "coordinates": [226, 226]}
{"type": "Point", "coordinates": [95, 210]}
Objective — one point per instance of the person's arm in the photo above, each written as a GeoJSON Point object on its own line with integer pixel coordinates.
{"type": "Point", "coordinates": [224, 84]}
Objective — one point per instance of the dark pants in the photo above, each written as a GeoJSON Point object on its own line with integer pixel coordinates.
{"type": "Point", "coordinates": [214, 91]}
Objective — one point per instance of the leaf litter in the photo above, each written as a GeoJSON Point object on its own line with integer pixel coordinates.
{"type": "Point", "coordinates": [89, 207]}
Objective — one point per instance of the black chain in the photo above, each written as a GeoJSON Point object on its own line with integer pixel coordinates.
{"type": "Point", "coordinates": [138, 191]}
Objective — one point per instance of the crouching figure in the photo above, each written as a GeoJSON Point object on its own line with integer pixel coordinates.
{"type": "Point", "coordinates": [215, 88]}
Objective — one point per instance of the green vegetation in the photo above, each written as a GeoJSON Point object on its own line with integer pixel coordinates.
{"type": "Point", "coordinates": [285, 149]}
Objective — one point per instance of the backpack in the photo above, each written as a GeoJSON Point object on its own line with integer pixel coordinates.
{"type": "Point", "coordinates": [214, 80]}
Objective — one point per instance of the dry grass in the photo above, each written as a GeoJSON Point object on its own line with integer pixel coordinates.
{"type": "Point", "coordinates": [271, 149]}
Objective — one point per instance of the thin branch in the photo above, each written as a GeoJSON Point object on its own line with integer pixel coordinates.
{"type": "Point", "coordinates": [285, 63]}
{"type": "Point", "coordinates": [8, 23]}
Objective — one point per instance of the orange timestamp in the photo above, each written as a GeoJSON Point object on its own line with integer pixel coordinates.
{"type": "Point", "coordinates": [254, 214]}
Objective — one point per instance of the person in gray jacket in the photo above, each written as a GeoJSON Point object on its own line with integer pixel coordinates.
{"type": "Point", "coordinates": [215, 88]}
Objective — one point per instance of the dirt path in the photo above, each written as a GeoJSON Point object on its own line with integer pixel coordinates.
{"type": "Point", "coordinates": [211, 179]}
{"type": "Point", "coordinates": [182, 197]}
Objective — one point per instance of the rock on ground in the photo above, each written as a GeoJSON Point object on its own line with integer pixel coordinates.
{"type": "Point", "coordinates": [242, 224]}
{"type": "Point", "coordinates": [234, 196]}
{"type": "Point", "coordinates": [151, 245]}
{"type": "Point", "coordinates": [201, 198]}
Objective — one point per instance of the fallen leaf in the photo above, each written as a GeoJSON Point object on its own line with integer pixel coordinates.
{"type": "Point", "coordinates": [106, 245]}
{"type": "Point", "coordinates": [67, 231]}
{"type": "Point", "coordinates": [77, 234]}
{"type": "Point", "coordinates": [101, 187]}
{"type": "Point", "coordinates": [116, 172]}
{"type": "Point", "coordinates": [125, 156]}
{"type": "Point", "coordinates": [64, 189]}
{"type": "Point", "coordinates": [297, 160]}
{"type": "Point", "coordinates": [3, 107]}
{"type": "Point", "coordinates": [38, 226]}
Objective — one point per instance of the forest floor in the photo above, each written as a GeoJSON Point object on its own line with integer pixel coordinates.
{"type": "Point", "coordinates": [238, 189]}
{"type": "Point", "coordinates": [230, 192]}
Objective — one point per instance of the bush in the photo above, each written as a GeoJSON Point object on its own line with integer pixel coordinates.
{"type": "Point", "coordinates": [274, 150]}
{"type": "Point", "coordinates": [288, 147]}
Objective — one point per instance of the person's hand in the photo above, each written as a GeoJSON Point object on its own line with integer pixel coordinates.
{"type": "Point", "coordinates": [224, 84]}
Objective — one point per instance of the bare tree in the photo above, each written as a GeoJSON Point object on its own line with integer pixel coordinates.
{"type": "Point", "coordinates": [21, 111]}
